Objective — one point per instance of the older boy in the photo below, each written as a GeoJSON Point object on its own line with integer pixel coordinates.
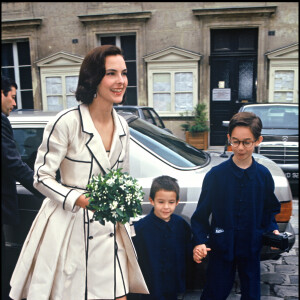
{"type": "Point", "coordinates": [242, 207]}
{"type": "Point", "coordinates": [163, 242]}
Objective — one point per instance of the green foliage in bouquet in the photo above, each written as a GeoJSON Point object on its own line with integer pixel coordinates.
{"type": "Point", "coordinates": [114, 197]}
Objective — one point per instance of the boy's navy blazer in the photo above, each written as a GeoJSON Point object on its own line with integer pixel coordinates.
{"type": "Point", "coordinates": [12, 169]}
{"type": "Point", "coordinates": [164, 253]}
{"type": "Point", "coordinates": [242, 205]}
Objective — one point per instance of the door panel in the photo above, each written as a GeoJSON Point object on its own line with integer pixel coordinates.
{"type": "Point", "coordinates": [233, 61]}
{"type": "Point", "coordinates": [239, 75]}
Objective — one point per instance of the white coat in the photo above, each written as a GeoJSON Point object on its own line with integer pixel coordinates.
{"type": "Point", "coordinates": [53, 261]}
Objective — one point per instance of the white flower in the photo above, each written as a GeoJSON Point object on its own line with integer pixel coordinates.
{"type": "Point", "coordinates": [113, 205]}
{"type": "Point", "coordinates": [105, 202]}
{"type": "Point", "coordinates": [110, 181]}
{"type": "Point", "coordinates": [128, 182]}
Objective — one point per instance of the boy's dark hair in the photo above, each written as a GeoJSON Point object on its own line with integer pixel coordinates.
{"type": "Point", "coordinates": [7, 84]}
{"type": "Point", "coordinates": [247, 119]}
{"type": "Point", "coordinates": [92, 71]}
{"type": "Point", "coordinates": [164, 183]}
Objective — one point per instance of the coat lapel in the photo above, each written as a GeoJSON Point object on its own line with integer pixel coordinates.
{"type": "Point", "coordinates": [94, 144]}
{"type": "Point", "coordinates": [118, 140]}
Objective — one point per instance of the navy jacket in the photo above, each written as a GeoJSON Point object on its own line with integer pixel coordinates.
{"type": "Point", "coordinates": [163, 250]}
{"type": "Point", "coordinates": [12, 169]}
{"type": "Point", "coordinates": [242, 205]}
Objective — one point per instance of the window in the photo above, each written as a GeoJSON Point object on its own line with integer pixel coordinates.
{"type": "Point", "coordinates": [173, 91]}
{"type": "Point", "coordinates": [172, 81]}
{"type": "Point", "coordinates": [60, 92]}
{"type": "Point", "coordinates": [128, 45]}
{"type": "Point", "coordinates": [284, 83]}
{"type": "Point", "coordinates": [16, 64]}
{"type": "Point", "coordinates": [59, 80]}
{"type": "Point", "coordinates": [283, 79]}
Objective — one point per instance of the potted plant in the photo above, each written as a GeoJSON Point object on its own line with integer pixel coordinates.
{"type": "Point", "coordinates": [196, 131]}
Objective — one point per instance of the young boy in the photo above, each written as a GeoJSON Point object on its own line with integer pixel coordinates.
{"type": "Point", "coordinates": [239, 196]}
{"type": "Point", "coordinates": [163, 242]}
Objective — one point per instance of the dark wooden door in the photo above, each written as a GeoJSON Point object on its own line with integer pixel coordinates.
{"type": "Point", "coordinates": [233, 69]}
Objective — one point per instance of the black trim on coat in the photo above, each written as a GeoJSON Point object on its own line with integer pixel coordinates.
{"type": "Point", "coordinates": [37, 172]}
{"type": "Point", "coordinates": [73, 187]}
{"type": "Point", "coordinates": [66, 198]}
{"type": "Point", "coordinates": [79, 161]}
{"type": "Point", "coordinates": [86, 236]}
{"type": "Point", "coordinates": [121, 273]}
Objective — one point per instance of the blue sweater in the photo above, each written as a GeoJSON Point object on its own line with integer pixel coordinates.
{"type": "Point", "coordinates": [163, 249]}
{"type": "Point", "coordinates": [242, 205]}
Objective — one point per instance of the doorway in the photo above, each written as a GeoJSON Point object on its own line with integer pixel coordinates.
{"type": "Point", "coordinates": [233, 69]}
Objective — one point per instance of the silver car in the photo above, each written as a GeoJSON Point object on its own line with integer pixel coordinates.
{"type": "Point", "coordinates": [281, 135]}
{"type": "Point", "coordinates": [153, 152]}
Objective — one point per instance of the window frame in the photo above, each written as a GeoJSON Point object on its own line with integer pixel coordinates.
{"type": "Point", "coordinates": [283, 59]}
{"type": "Point", "coordinates": [173, 60]}
{"type": "Point", "coordinates": [63, 83]}
{"type": "Point", "coordinates": [60, 64]}
{"type": "Point", "coordinates": [16, 67]}
{"type": "Point", "coordinates": [173, 92]}
{"type": "Point", "coordinates": [118, 44]}
{"type": "Point", "coordinates": [273, 90]}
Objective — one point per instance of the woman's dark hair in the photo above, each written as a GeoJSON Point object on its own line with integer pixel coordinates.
{"type": "Point", "coordinates": [92, 71]}
{"type": "Point", "coordinates": [247, 119]}
{"type": "Point", "coordinates": [166, 183]}
{"type": "Point", "coordinates": [7, 84]}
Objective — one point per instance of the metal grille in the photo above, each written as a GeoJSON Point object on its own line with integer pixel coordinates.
{"type": "Point", "coordinates": [280, 154]}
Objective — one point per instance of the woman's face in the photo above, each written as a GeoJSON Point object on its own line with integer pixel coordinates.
{"type": "Point", "coordinates": [114, 83]}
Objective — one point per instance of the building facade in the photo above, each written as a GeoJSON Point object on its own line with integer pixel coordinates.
{"type": "Point", "coordinates": [223, 54]}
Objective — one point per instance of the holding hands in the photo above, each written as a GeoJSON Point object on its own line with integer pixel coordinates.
{"type": "Point", "coordinates": [200, 252]}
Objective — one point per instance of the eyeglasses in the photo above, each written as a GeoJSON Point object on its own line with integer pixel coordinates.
{"type": "Point", "coordinates": [246, 144]}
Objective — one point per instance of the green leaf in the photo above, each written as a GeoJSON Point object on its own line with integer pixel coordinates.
{"type": "Point", "coordinates": [119, 212]}
{"type": "Point", "coordinates": [101, 221]}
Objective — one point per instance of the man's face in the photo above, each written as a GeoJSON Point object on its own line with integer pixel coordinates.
{"type": "Point", "coordinates": [8, 102]}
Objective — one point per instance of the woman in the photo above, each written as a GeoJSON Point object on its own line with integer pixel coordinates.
{"type": "Point", "coordinates": [66, 255]}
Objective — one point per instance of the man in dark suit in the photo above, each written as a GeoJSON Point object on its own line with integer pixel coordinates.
{"type": "Point", "coordinates": [12, 169]}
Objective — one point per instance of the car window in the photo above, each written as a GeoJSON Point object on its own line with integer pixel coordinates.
{"type": "Point", "coordinates": [156, 118]}
{"type": "Point", "coordinates": [167, 146]}
{"type": "Point", "coordinates": [276, 116]}
{"type": "Point", "coordinates": [28, 140]}
{"type": "Point", "coordinates": [128, 110]}
{"type": "Point", "coordinates": [148, 116]}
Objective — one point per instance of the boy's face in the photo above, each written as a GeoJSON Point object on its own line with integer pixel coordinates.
{"type": "Point", "coordinates": [242, 153]}
{"type": "Point", "coordinates": [164, 204]}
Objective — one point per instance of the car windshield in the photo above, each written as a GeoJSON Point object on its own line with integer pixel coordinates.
{"type": "Point", "coordinates": [283, 117]}
{"type": "Point", "coordinates": [167, 146]}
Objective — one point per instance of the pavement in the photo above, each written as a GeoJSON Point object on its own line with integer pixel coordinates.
{"type": "Point", "coordinates": [279, 278]}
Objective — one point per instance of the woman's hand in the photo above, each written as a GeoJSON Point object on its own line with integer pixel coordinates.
{"type": "Point", "coordinates": [82, 201]}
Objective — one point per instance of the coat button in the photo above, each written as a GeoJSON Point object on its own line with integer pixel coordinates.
{"type": "Point", "coordinates": [111, 234]}
{"type": "Point", "coordinates": [91, 237]}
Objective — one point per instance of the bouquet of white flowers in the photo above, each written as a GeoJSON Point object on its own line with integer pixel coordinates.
{"type": "Point", "coordinates": [114, 197]}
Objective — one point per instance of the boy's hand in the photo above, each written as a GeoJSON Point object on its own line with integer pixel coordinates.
{"type": "Point", "coordinates": [275, 232]}
{"type": "Point", "coordinates": [200, 252]}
